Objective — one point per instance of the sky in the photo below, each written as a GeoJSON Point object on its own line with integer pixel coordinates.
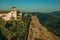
{"type": "Point", "coordinates": [31, 5]}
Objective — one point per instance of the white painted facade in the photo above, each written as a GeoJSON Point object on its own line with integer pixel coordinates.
{"type": "Point", "coordinates": [9, 15]}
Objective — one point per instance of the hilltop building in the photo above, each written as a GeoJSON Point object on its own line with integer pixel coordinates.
{"type": "Point", "coordinates": [7, 15]}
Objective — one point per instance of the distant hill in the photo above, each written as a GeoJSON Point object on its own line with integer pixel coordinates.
{"type": "Point", "coordinates": [55, 13]}
{"type": "Point", "coordinates": [52, 23]}
{"type": "Point", "coordinates": [42, 16]}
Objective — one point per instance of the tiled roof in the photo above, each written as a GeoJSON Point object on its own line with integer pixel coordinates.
{"type": "Point", "coordinates": [4, 12]}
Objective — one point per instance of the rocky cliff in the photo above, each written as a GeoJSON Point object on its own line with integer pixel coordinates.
{"type": "Point", "coordinates": [39, 32]}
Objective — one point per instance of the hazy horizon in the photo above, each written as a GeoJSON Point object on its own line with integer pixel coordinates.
{"type": "Point", "coordinates": [31, 5]}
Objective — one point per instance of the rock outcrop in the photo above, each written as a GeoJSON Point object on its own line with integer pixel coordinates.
{"type": "Point", "coordinates": [39, 32]}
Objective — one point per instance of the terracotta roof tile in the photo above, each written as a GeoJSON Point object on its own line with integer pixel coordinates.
{"type": "Point", "coordinates": [4, 12]}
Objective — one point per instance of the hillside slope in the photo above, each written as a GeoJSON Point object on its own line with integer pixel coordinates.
{"type": "Point", "coordinates": [39, 32]}
{"type": "Point", "coordinates": [52, 23]}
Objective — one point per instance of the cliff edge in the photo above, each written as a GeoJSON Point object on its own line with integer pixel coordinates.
{"type": "Point", "coordinates": [39, 32]}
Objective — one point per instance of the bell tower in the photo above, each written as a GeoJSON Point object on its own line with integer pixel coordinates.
{"type": "Point", "coordinates": [14, 9]}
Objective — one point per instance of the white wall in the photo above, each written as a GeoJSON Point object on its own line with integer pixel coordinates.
{"type": "Point", "coordinates": [9, 15]}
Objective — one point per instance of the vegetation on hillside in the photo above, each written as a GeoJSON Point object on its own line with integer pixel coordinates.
{"type": "Point", "coordinates": [15, 29]}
